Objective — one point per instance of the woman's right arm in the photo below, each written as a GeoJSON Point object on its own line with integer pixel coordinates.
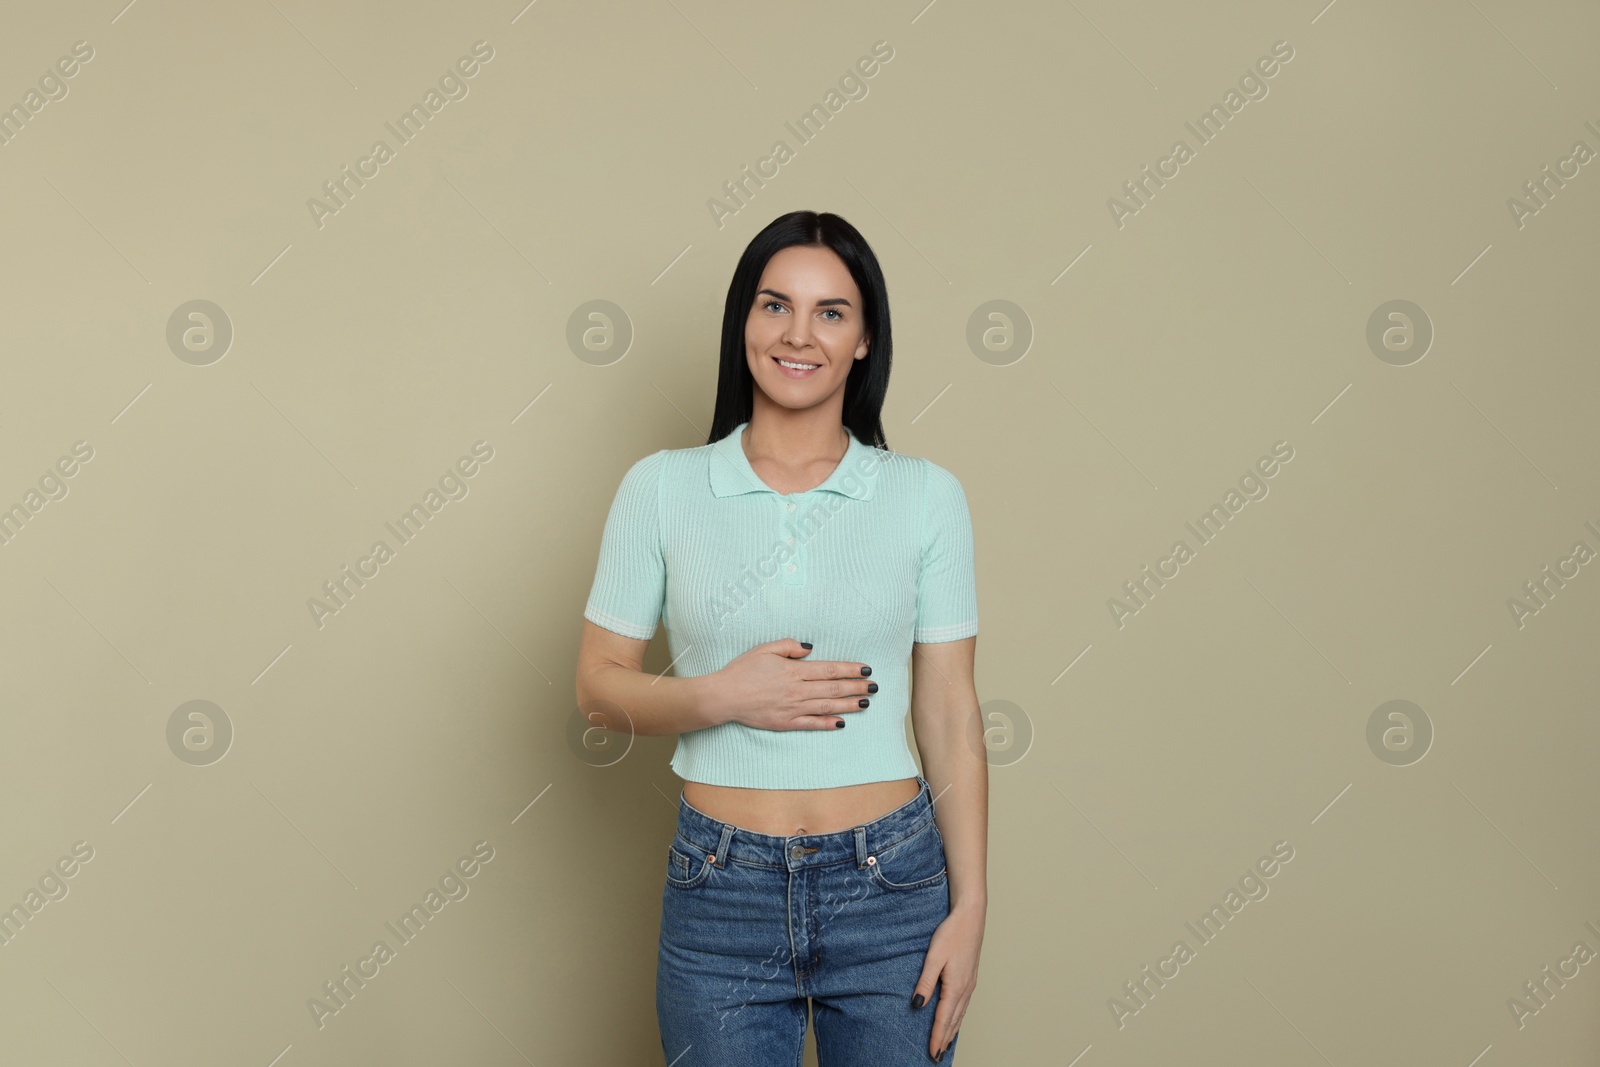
{"type": "Point", "coordinates": [611, 677]}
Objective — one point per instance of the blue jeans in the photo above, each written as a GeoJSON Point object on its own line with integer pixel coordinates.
{"type": "Point", "coordinates": [753, 925]}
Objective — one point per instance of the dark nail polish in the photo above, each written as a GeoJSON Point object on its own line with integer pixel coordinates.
{"type": "Point", "coordinates": [872, 687]}
{"type": "Point", "coordinates": [839, 725]}
{"type": "Point", "coordinates": [916, 1001]}
{"type": "Point", "coordinates": [865, 671]}
{"type": "Point", "coordinates": [805, 644]}
{"type": "Point", "coordinates": [940, 1057]}
{"type": "Point", "coordinates": [863, 702]}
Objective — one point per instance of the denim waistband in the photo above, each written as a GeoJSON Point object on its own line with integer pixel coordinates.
{"type": "Point", "coordinates": [724, 841]}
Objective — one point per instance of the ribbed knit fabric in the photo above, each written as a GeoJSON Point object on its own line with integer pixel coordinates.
{"type": "Point", "coordinates": [878, 556]}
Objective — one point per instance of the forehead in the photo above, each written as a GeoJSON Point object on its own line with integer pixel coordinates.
{"type": "Point", "coordinates": [805, 272]}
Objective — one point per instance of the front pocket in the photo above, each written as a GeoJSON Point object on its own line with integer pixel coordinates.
{"type": "Point", "coordinates": [914, 862]}
{"type": "Point", "coordinates": [685, 870]}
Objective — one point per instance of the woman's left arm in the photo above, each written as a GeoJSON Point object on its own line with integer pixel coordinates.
{"type": "Point", "coordinates": [949, 732]}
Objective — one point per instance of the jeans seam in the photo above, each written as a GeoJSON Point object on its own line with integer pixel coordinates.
{"type": "Point", "coordinates": [695, 881]}
{"type": "Point", "coordinates": [877, 876]}
{"type": "Point", "coordinates": [913, 832]}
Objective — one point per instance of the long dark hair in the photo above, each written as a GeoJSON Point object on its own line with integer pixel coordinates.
{"type": "Point", "coordinates": [868, 382]}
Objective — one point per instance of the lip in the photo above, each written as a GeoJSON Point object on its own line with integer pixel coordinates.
{"type": "Point", "coordinates": [791, 372]}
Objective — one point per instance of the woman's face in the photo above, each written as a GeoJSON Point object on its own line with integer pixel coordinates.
{"type": "Point", "coordinates": [807, 310]}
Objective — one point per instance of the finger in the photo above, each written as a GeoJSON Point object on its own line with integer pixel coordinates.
{"type": "Point", "coordinates": [824, 669]}
{"type": "Point", "coordinates": [836, 696]}
{"type": "Point", "coordinates": [831, 709]}
{"type": "Point", "coordinates": [817, 722]}
{"type": "Point", "coordinates": [951, 1029]}
{"type": "Point", "coordinates": [922, 992]}
{"type": "Point", "coordinates": [940, 1038]}
{"type": "Point", "coordinates": [852, 704]}
{"type": "Point", "coordinates": [947, 1020]}
{"type": "Point", "coordinates": [823, 720]}
{"type": "Point", "coordinates": [849, 686]}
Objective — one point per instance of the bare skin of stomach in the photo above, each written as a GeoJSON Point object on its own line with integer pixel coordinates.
{"type": "Point", "coordinates": [790, 812]}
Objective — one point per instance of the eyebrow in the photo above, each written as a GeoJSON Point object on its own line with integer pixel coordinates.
{"type": "Point", "coordinates": [787, 299]}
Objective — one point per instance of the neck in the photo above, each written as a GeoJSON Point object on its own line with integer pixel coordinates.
{"type": "Point", "coordinates": [796, 438]}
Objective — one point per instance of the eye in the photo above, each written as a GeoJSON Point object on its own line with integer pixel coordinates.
{"type": "Point", "coordinates": [834, 311]}
{"type": "Point", "coordinates": [771, 304]}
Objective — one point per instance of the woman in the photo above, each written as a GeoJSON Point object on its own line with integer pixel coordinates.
{"type": "Point", "coordinates": [799, 564]}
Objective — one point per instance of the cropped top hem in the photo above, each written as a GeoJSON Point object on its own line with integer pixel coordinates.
{"type": "Point", "coordinates": [817, 772]}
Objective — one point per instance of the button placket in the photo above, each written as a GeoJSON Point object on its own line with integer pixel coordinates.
{"type": "Point", "coordinates": [792, 572]}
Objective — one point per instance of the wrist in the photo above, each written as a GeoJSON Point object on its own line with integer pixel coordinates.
{"type": "Point", "coordinates": [976, 903]}
{"type": "Point", "coordinates": [705, 693]}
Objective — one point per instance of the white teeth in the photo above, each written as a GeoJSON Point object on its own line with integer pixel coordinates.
{"type": "Point", "coordinates": [800, 366]}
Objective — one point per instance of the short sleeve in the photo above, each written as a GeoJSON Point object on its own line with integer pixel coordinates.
{"type": "Point", "coordinates": [630, 580]}
{"type": "Point", "coordinates": [947, 589]}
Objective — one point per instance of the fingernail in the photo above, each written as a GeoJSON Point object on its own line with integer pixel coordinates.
{"type": "Point", "coordinates": [805, 644]}
{"type": "Point", "coordinates": [863, 702]}
{"type": "Point", "coordinates": [839, 725]}
{"type": "Point", "coordinates": [872, 687]}
{"type": "Point", "coordinates": [865, 671]}
{"type": "Point", "coordinates": [916, 1001]}
{"type": "Point", "coordinates": [940, 1057]}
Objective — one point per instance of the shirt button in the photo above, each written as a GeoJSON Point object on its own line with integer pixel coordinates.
{"type": "Point", "coordinates": [791, 505]}
{"type": "Point", "coordinates": [791, 568]}
{"type": "Point", "coordinates": [790, 541]}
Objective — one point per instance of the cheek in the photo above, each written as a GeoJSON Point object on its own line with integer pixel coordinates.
{"type": "Point", "coordinates": [762, 328]}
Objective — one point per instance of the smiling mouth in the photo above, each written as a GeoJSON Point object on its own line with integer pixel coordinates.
{"type": "Point", "coordinates": [794, 367]}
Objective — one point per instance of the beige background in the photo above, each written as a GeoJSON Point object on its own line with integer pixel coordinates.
{"type": "Point", "coordinates": [1141, 767]}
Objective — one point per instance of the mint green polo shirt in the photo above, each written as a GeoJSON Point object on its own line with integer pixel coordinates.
{"type": "Point", "coordinates": [875, 558]}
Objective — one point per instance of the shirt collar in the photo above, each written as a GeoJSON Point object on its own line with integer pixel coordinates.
{"type": "Point", "coordinates": [732, 474]}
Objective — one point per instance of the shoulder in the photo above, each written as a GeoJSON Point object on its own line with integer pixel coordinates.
{"type": "Point", "coordinates": [940, 488]}
{"type": "Point", "coordinates": [683, 466]}
{"type": "Point", "coordinates": [671, 473]}
{"type": "Point", "coordinates": [943, 500]}
{"type": "Point", "coordinates": [639, 489]}
{"type": "Point", "coordinates": [915, 485]}
{"type": "Point", "coordinates": [938, 478]}
{"type": "Point", "coordinates": [905, 477]}
{"type": "Point", "coordinates": [885, 467]}
{"type": "Point", "coordinates": [918, 471]}
{"type": "Point", "coordinates": [645, 470]}
{"type": "Point", "coordinates": [666, 461]}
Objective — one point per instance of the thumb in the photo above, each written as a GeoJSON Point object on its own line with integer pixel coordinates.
{"type": "Point", "coordinates": [794, 649]}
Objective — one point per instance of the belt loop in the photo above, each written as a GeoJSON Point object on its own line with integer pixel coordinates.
{"type": "Point", "coordinates": [721, 858]}
{"type": "Point", "coordinates": [861, 846]}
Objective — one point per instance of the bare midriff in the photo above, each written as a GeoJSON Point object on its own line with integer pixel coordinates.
{"type": "Point", "coordinates": [791, 812]}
